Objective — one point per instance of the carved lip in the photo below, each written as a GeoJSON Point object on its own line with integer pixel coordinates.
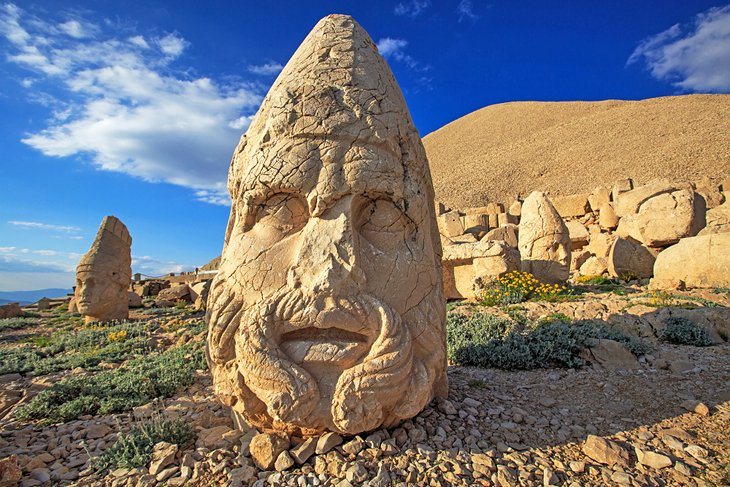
{"type": "Point", "coordinates": [334, 346]}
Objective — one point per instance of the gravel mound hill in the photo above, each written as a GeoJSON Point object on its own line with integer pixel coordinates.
{"type": "Point", "coordinates": [571, 147]}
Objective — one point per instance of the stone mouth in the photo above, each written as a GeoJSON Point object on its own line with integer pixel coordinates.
{"type": "Point", "coordinates": [325, 346]}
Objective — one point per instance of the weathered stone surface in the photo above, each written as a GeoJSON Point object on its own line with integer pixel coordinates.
{"type": "Point", "coordinates": [507, 234]}
{"type": "Point", "coordinates": [466, 266]}
{"type": "Point", "coordinates": [607, 218]}
{"type": "Point", "coordinates": [611, 354]}
{"type": "Point", "coordinates": [72, 308]}
{"type": "Point", "coordinates": [600, 244]}
{"type": "Point", "coordinates": [449, 224]}
{"type": "Point", "coordinates": [573, 205]}
{"type": "Point", "coordinates": [594, 266]}
{"type": "Point", "coordinates": [598, 198]}
{"type": "Point", "coordinates": [163, 455]}
{"type": "Point", "coordinates": [265, 449]}
{"type": "Point", "coordinates": [10, 473]}
{"type": "Point", "coordinates": [717, 220]}
{"type": "Point", "coordinates": [327, 312]}
{"type": "Point", "coordinates": [652, 459]}
{"type": "Point", "coordinates": [620, 187]}
{"type": "Point", "coordinates": [10, 310]}
{"type": "Point", "coordinates": [710, 192]}
{"type": "Point", "coordinates": [104, 273]}
{"type": "Point", "coordinates": [702, 261]}
{"type": "Point", "coordinates": [629, 257]}
{"type": "Point", "coordinates": [605, 451]}
{"type": "Point", "coordinates": [663, 219]}
{"type": "Point", "coordinates": [199, 294]}
{"type": "Point", "coordinates": [135, 301]}
{"type": "Point", "coordinates": [303, 451]}
{"type": "Point", "coordinates": [178, 292]}
{"type": "Point", "coordinates": [578, 234]}
{"type": "Point", "coordinates": [544, 240]}
{"type": "Point", "coordinates": [629, 202]}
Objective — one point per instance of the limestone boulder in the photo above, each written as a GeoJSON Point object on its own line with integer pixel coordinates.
{"type": "Point", "coordinates": [467, 266]}
{"type": "Point", "coordinates": [696, 262]}
{"type": "Point", "coordinates": [611, 354]}
{"type": "Point", "coordinates": [598, 198]}
{"type": "Point", "coordinates": [135, 301]}
{"type": "Point", "coordinates": [199, 294]}
{"type": "Point", "coordinates": [578, 258]}
{"type": "Point", "coordinates": [627, 256]}
{"type": "Point", "coordinates": [579, 235]}
{"type": "Point", "coordinates": [717, 220]}
{"type": "Point", "coordinates": [544, 240]}
{"type": "Point", "coordinates": [178, 292]}
{"type": "Point", "coordinates": [507, 234]}
{"type": "Point", "coordinates": [600, 244]}
{"type": "Point", "coordinates": [449, 224]}
{"type": "Point", "coordinates": [629, 202]}
{"type": "Point", "coordinates": [572, 205]}
{"type": "Point", "coordinates": [594, 266]}
{"type": "Point", "coordinates": [663, 219]}
{"type": "Point", "coordinates": [607, 218]}
{"type": "Point", "coordinates": [620, 187]}
{"type": "Point", "coordinates": [710, 191]}
{"type": "Point", "coordinates": [10, 310]}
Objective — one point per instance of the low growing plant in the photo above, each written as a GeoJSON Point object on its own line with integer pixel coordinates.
{"type": "Point", "coordinates": [681, 331]}
{"type": "Point", "coordinates": [137, 382]}
{"type": "Point", "coordinates": [134, 449]}
{"type": "Point", "coordinates": [18, 323]}
{"type": "Point", "coordinates": [485, 340]}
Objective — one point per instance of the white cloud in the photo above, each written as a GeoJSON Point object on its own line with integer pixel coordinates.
{"type": "Point", "coordinates": [13, 263]}
{"type": "Point", "coordinates": [694, 57]}
{"type": "Point", "coordinates": [391, 48]}
{"type": "Point", "coordinates": [45, 226]}
{"type": "Point", "coordinates": [78, 30]}
{"type": "Point", "coordinates": [139, 41]}
{"type": "Point", "coordinates": [412, 8]}
{"type": "Point", "coordinates": [152, 267]}
{"type": "Point", "coordinates": [266, 69]}
{"type": "Point", "coordinates": [172, 45]}
{"type": "Point", "coordinates": [120, 102]}
{"type": "Point", "coordinates": [465, 11]}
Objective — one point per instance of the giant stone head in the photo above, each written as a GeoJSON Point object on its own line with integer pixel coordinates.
{"type": "Point", "coordinates": [104, 273]}
{"type": "Point", "coordinates": [327, 313]}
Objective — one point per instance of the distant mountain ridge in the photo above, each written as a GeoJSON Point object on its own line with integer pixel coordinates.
{"type": "Point", "coordinates": [28, 297]}
{"type": "Point", "coordinates": [563, 148]}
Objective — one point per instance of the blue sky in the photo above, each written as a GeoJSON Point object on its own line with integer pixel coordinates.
{"type": "Point", "coordinates": [134, 108]}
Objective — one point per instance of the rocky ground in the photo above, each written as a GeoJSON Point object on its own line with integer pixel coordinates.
{"type": "Point", "coordinates": [663, 420]}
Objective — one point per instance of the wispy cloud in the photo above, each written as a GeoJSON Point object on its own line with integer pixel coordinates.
{"type": "Point", "coordinates": [151, 266]}
{"type": "Point", "coordinates": [266, 69]}
{"type": "Point", "coordinates": [412, 8]}
{"type": "Point", "coordinates": [395, 49]}
{"type": "Point", "coordinates": [45, 226]}
{"type": "Point", "coordinates": [465, 11]}
{"type": "Point", "coordinates": [694, 57]}
{"type": "Point", "coordinates": [14, 259]}
{"type": "Point", "coordinates": [121, 101]}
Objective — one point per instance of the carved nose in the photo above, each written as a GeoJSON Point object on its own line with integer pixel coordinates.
{"type": "Point", "coordinates": [328, 258]}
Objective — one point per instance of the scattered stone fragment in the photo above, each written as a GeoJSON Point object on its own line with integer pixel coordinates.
{"type": "Point", "coordinates": [652, 459]}
{"type": "Point", "coordinates": [605, 451]}
{"type": "Point", "coordinates": [266, 448]}
{"type": "Point", "coordinates": [163, 454]}
{"type": "Point", "coordinates": [327, 442]}
{"type": "Point", "coordinates": [283, 462]}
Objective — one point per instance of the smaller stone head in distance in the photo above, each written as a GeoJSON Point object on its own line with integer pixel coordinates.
{"type": "Point", "coordinates": [327, 312]}
{"type": "Point", "coordinates": [104, 273]}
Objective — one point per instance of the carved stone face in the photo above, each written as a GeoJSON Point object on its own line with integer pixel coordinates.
{"type": "Point", "coordinates": [98, 291]}
{"type": "Point", "coordinates": [327, 312]}
{"type": "Point", "coordinates": [103, 274]}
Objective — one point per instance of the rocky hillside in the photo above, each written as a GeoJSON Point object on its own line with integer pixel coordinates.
{"type": "Point", "coordinates": [571, 147]}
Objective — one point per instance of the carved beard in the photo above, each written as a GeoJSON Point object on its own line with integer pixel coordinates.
{"type": "Point", "coordinates": [257, 378]}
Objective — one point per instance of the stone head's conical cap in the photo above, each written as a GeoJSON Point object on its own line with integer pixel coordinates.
{"type": "Point", "coordinates": [111, 248]}
{"type": "Point", "coordinates": [336, 86]}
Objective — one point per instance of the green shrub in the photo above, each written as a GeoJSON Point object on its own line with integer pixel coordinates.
{"type": "Point", "coordinates": [18, 323]}
{"type": "Point", "coordinates": [681, 331]}
{"type": "Point", "coordinates": [112, 391]}
{"type": "Point", "coordinates": [488, 341]}
{"type": "Point", "coordinates": [134, 449]}
{"type": "Point", "coordinates": [83, 348]}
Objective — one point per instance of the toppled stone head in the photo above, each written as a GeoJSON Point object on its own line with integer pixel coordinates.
{"type": "Point", "coordinates": [104, 273]}
{"type": "Point", "coordinates": [327, 312]}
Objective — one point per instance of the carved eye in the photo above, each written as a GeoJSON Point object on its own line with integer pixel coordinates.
{"type": "Point", "coordinates": [383, 224]}
{"type": "Point", "coordinates": [282, 214]}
